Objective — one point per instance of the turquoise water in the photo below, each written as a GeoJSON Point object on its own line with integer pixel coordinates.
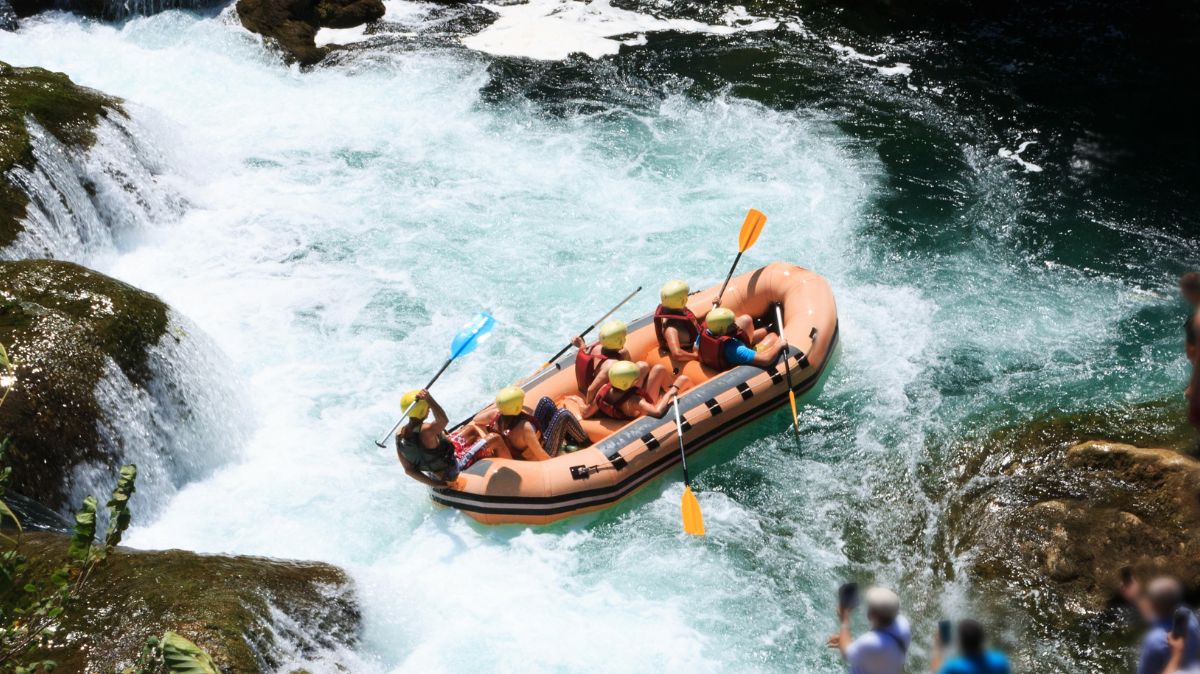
{"type": "Point", "coordinates": [342, 223]}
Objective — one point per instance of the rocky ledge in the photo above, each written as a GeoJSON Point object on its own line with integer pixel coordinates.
{"type": "Point", "coordinates": [293, 24]}
{"type": "Point", "coordinates": [64, 109]}
{"type": "Point", "coordinates": [63, 325]}
{"type": "Point", "coordinates": [250, 614]}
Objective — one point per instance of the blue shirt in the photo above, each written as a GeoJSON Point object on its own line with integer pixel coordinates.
{"type": "Point", "coordinates": [735, 352]}
{"type": "Point", "coordinates": [991, 662]}
{"type": "Point", "coordinates": [1156, 652]}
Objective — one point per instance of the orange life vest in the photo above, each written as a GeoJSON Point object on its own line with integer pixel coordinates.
{"type": "Point", "coordinates": [612, 409]}
{"type": "Point", "coordinates": [712, 348]}
{"type": "Point", "coordinates": [682, 320]}
{"type": "Point", "coordinates": [587, 365]}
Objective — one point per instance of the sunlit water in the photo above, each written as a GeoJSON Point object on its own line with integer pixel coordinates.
{"type": "Point", "coordinates": [341, 224]}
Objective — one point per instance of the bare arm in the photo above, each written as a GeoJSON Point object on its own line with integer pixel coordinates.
{"type": "Point", "coordinates": [440, 420]}
{"type": "Point", "coordinates": [678, 353]}
{"type": "Point", "coordinates": [659, 408]}
{"type": "Point", "coordinates": [598, 382]}
{"type": "Point", "coordinates": [767, 357]}
{"type": "Point", "coordinates": [842, 639]}
{"type": "Point", "coordinates": [935, 662]}
{"type": "Point", "coordinates": [532, 444]}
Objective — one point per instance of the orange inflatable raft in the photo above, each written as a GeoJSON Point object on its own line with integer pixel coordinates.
{"type": "Point", "coordinates": [627, 455]}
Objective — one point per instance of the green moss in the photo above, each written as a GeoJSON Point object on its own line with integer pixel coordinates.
{"type": "Point", "coordinates": [61, 323]}
{"type": "Point", "coordinates": [64, 109]}
{"type": "Point", "coordinates": [219, 602]}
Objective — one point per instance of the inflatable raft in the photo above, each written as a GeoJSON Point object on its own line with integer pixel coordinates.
{"type": "Point", "coordinates": [627, 455]}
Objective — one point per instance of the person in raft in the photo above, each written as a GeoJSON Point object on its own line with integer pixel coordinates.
{"type": "Point", "coordinates": [517, 434]}
{"type": "Point", "coordinates": [593, 360]}
{"type": "Point", "coordinates": [675, 326]}
{"type": "Point", "coordinates": [729, 341]}
{"type": "Point", "coordinates": [632, 391]}
{"type": "Point", "coordinates": [428, 454]}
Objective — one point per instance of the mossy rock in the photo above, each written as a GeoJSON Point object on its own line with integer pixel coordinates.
{"type": "Point", "coordinates": [66, 110]}
{"type": "Point", "coordinates": [222, 603]}
{"type": "Point", "coordinates": [62, 324]}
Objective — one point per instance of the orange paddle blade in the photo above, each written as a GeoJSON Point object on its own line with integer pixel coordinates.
{"type": "Point", "coordinates": [751, 228]}
{"type": "Point", "coordinates": [795, 417]}
{"type": "Point", "coordinates": [693, 521]}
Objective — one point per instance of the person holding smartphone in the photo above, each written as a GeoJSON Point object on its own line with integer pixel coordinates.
{"type": "Point", "coordinates": [883, 649]}
{"type": "Point", "coordinates": [1159, 605]}
{"type": "Point", "coordinates": [972, 658]}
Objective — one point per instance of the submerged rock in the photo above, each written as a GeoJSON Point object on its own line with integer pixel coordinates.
{"type": "Point", "coordinates": [63, 109]}
{"type": "Point", "coordinates": [293, 24]}
{"type": "Point", "coordinates": [250, 614]}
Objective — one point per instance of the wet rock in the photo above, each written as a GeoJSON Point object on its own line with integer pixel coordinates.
{"type": "Point", "coordinates": [293, 24]}
{"type": "Point", "coordinates": [64, 109]}
{"type": "Point", "coordinates": [64, 326]}
{"type": "Point", "coordinates": [8, 17]}
{"type": "Point", "coordinates": [250, 614]}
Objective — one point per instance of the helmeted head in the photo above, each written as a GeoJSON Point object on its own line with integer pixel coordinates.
{"type": "Point", "coordinates": [674, 294]}
{"type": "Point", "coordinates": [418, 411]}
{"type": "Point", "coordinates": [883, 606]}
{"type": "Point", "coordinates": [510, 400]}
{"type": "Point", "coordinates": [719, 320]}
{"type": "Point", "coordinates": [622, 374]}
{"type": "Point", "coordinates": [612, 334]}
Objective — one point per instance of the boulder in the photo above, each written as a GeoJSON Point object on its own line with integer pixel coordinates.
{"type": "Point", "coordinates": [293, 24]}
{"type": "Point", "coordinates": [66, 110]}
{"type": "Point", "coordinates": [63, 326]}
{"type": "Point", "coordinates": [249, 613]}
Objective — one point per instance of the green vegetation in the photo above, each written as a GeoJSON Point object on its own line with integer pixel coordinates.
{"type": "Point", "coordinates": [64, 109]}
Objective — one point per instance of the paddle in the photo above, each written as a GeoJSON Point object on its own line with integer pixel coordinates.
{"type": "Point", "coordinates": [751, 228]}
{"type": "Point", "coordinates": [693, 521]}
{"type": "Point", "coordinates": [787, 364]}
{"type": "Point", "coordinates": [464, 342]}
{"type": "Point", "coordinates": [590, 328]}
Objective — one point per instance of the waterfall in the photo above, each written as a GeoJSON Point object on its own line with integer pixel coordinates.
{"type": "Point", "coordinates": [84, 200]}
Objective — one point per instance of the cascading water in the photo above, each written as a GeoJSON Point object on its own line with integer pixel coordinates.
{"type": "Point", "coordinates": [343, 221]}
{"type": "Point", "coordinates": [82, 201]}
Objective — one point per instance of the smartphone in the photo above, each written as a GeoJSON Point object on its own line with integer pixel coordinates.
{"type": "Point", "coordinates": [1179, 627]}
{"type": "Point", "coordinates": [944, 632]}
{"type": "Point", "coordinates": [848, 596]}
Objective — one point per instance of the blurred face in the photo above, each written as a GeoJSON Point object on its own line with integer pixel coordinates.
{"type": "Point", "coordinates": [1190, 289]}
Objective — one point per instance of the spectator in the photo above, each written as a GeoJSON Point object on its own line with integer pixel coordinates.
{"type": "Point", "coordinates": [884, 648]}
{"type": "Point", "coordinates": [1158, 605]}
{"type": "Point", "coordinates": [971, 658]}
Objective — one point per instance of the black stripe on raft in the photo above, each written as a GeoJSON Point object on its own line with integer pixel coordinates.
{"type": "Point", "coordinates": [714, 407]}
{"type": "Point", "coordinates": [776, 376]}
{"type": "Point", "coordinates": [481, 503]}
{"type": "Point", "coordinates": [745, 390]}
{"type": "Point", "coordinates": [650, 441]}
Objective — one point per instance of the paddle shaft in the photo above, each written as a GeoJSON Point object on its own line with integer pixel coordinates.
{"type": "Point", "coordinates": [717, 302]}
{"type": "Point", "coordinates": [687, 481]}
{"type": "Point", "coordinates": [591, 327]}
{"type": "Point", "coordinates": [404, 415]}
{"type": "Point", "coordinates": [787, 366]}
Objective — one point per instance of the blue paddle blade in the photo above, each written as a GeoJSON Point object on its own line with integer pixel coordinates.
{"type": "Point", "coordinates": [472, 334]}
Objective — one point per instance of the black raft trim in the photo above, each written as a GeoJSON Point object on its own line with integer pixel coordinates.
{"type": "Point", "coordinates": [776, 376]}
{"type": "Point", "coordinates": [744, 389]}
{"type": "Point", "coordinates": [650, 441]}
{"type": "Point", "coordinates": [714, 407]}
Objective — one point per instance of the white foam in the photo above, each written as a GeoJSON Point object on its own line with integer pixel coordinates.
{"type": "Point", "coordinates": [328, 36]}
{"type": "Point", "coordinates": [552, 30]}
{"type": "Point", "coordinates": [848, 53]}
{"type": "Point", "coordinates": [1029, 166]}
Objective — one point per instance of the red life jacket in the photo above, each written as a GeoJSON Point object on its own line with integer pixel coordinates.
{"type": "Point", "coordinates": [712, 348]}
{"type": "Point", "coordinates": [587, 365]}
{"type": "Point", "coordinates": [612, 409]}
{"type": "Point", "coordinates": [494, 426]}
{"type": "Point", "coordinates": [682, 320]}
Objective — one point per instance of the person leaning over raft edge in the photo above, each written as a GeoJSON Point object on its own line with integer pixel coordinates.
{"type": "Point", "coordinates": [424, 449]}
{"type": "Point", "coordinates": [729, 341]}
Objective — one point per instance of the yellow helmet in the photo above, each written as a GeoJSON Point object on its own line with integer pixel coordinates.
{"type": "Point", "coordinates": [674, 294]}
{"type": "Point", "coordinates": [510, 400]}
{"type": "Point", "coordinates": [612, 334]}
{"type": "Point", "coordinates": [719, 320]}
{"type": "Point", "coordinates": [418, 411]}
{"type": "Point", "coordinates": [622, 374]}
